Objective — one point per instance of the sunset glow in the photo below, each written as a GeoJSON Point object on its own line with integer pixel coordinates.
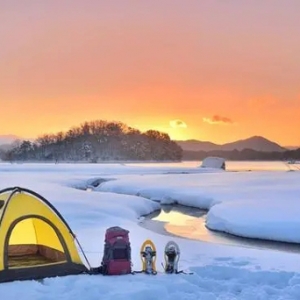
{"type": "Point", "coordinates": [209, 70]}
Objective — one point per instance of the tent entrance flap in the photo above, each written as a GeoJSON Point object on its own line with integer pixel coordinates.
{"type": "Point", "coordinates": [34, 242]}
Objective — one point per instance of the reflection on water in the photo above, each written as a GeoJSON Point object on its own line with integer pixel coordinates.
{"type": "Point", "coordinates": [189, 223]}
{"type": "Point", "coordinates": [178, 215]}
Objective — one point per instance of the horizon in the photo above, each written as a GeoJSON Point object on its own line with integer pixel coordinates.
{"type": "Point", "coordinates": [13, 137]}
{"type": "Point", "coordinates": [217, 71]}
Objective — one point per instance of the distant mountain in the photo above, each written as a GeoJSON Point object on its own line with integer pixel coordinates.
{"type": "Point", "coordinates": [292, 147]}
{"type": "Point", "coordinates": [257, 143]}
{"type": "Point", "coordinates": [8, 139]}
{"type": "Point", "coordinates": [195, 145]}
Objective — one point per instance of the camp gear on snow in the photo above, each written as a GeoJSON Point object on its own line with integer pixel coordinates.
{"type": "Point", "coordinates": [35, 240]}
{"type": "Point", "coordinates": [117, 252]}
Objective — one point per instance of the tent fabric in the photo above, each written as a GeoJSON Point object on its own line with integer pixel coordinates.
{"type": "Point", "coordinates": [35, 240]}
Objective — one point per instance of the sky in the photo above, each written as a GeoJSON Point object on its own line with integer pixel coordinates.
{"type": "Point", "coordinates": [210, 70]}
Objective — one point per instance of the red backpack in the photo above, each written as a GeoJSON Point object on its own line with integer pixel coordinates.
{"type": "Point", "coordinates": [117, 252]}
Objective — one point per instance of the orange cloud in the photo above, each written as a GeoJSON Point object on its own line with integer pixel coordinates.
{"type": "Point", "coordinates": [178, 124]}
{"type": "Point", "coordinates": [218, 120]}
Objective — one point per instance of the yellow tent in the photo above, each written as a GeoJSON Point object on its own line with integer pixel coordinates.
{"type": "Point", "coordinates": [35, 240]}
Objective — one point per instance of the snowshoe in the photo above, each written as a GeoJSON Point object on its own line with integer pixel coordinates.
{"type": "Point", "coordinates": [148, 257]}
{"type": "Point", "coordinates": [171, 255]}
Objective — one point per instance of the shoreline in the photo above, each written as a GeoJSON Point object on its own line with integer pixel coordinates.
{"type": "Point", "coordinates": [218, 237]}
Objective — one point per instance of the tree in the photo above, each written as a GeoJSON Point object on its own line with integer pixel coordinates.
{"type": "Point", "coordinates": [98, 139]}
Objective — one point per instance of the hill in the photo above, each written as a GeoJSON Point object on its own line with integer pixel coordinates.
{"type": "Point", "coordinates": [95, 141]}
{"type": "Point", "coordinates": [8, 139]}
{"type": "Point", "coordinates": [195, 145]}
{"type": "Point", "coordinates": [256, 143]}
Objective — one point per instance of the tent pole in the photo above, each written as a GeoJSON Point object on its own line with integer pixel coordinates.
{"type": "Point", "coordinates": [82, 251]}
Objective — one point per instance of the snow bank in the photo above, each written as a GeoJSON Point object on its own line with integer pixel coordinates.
{"type": "Point", "coordinates": [166, 189]}
{"type": "Point", "coordinates": [258, 205]}
{"type": "Point", "coordinates": [268, 209]}
{"type": "Point", "coordinates": [266, 220]}
{"type": "Point", "coordinates": [213, 162]}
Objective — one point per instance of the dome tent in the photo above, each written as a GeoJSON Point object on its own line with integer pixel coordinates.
{"type": "Point", "coordinates": [35, 240]}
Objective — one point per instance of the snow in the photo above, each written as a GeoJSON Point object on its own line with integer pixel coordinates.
{"type": "Point", "coordinates": [249, 203]}
{"type": "Point", "coordinates": [213, 162]}
{"type": "Point", "coordinates": [209, 283]}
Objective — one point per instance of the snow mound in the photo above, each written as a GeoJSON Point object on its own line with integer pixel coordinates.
{"type": "Point", "coordinates": [268, 219]}
{"type": "Point", "coordinates": [261, 205]}
{"type": "Point", "coordinates": [214, 163]}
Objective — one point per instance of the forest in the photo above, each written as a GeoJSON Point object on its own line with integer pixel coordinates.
{"type": "Point", "coordinates": [245, 154]}
{"type": "Point", "coordinates": [96, 141]}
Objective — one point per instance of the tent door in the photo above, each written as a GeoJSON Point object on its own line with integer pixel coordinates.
{"type": "Point", "coordinates": [34, 241]}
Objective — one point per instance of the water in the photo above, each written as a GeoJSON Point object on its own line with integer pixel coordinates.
{"type": "Point", "coordinates": [187, 222]}
{"type": "Point", "coordinates": [230, 165]}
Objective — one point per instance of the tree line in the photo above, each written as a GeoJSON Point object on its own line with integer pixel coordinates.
{"type": "Point", "coordinates": [246, 154]}
{"type": "Point", "coordinates": [97, 141]}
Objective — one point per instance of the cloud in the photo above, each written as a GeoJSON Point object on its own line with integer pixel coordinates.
{"type": "Point", "coordinates": [218, 120]}
{"type": "Point", "coordinates": [178, 124]}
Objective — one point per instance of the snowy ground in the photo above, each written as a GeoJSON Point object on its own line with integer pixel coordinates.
{"type": "Point", "coordinates": [264, 204]}
{"type": "Point", "coordinates": [251, 204]}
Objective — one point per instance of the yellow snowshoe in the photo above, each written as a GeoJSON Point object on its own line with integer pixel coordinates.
{"type": "Point", "coordinates": [148, 257]}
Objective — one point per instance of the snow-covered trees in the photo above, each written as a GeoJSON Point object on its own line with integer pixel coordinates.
{"type": "Point", "coordinates": [98, 141]}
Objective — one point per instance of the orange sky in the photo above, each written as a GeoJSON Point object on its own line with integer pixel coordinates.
{"type": "Point", "coordinates": [226, 69]}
